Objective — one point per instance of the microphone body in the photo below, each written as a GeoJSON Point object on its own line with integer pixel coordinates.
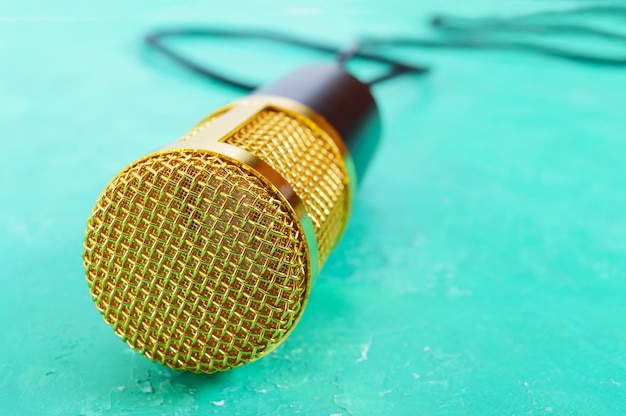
{"type": "Point", "coordinates": [202, 255]}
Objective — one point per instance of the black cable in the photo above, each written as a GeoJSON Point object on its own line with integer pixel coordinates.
{"type": "Point", "coordinates": [458, 32]}
{"type": "Point", "coordinates": [503, 45]}
{"type": "Point", "coordinates": [348, 52]}
{"type": "Point", "coordinates": [156, 39]}
{"type": "Point", "coordinates": [492, 22]}
{"type": "Point", "coordinates": [476, 32]}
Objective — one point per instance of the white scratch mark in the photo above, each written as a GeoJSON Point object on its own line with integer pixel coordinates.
{"type": "Point", "coordinates": [335, 414]}
{"type": "Point", "coordinates": [364, 351]}
{"type": "Point", "coordinates": [219, 403]}
{"type": "Point", "coordinates": [616, 383]}
{"type": "Point", "coordinates": [261, 391]}
{"type": "Point", "coordinates": [456, 292]}
{"type": "Point", "coordinates": [416, 376]}
{"type": "Point", "coordinates": [383, 393]}
{"type": "Point", "coordinates": [426, 348]}
{"type": "Point", "coordinates": [121, 388]}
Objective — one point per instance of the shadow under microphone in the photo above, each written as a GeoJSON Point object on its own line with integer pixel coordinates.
{"type": "Point", "coordinates": [202, 255]}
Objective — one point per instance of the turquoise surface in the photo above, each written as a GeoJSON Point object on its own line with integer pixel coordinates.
{"type": "Point", "coordinates": [482, 271]}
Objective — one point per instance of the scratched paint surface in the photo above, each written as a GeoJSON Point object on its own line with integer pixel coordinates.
{"type": "Point", "coordinates": [482, 271]}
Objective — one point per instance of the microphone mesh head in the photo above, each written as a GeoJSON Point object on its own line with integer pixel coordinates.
{"type": "Point", "coordinates": [195, 262]}
{"type": "Point", "coordinates": [198, 261]}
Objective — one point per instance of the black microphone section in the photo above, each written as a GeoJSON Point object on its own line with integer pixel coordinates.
{"type": "Point", "coordinates": [202, 255]}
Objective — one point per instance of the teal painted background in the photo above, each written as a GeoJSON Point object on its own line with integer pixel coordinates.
{"type": "Point", "coordinates": [482, 272]}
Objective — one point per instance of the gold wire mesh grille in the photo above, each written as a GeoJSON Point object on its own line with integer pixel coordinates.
{"type": "Point", "coordinates": [204, 123]}
{"type": "Point", "coordinates": [195, 261]}
{"type": "Point", "coordinates": [310, 162]}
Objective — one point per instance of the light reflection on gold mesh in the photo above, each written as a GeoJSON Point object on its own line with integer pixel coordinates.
{"type": "Point", "coordinates": [309, 160]}
{"type": "Point", "coordinates": [195, 261]}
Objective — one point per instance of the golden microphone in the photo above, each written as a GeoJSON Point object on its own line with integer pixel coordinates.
{"type": "Point", "coordinates": [202, 255]}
